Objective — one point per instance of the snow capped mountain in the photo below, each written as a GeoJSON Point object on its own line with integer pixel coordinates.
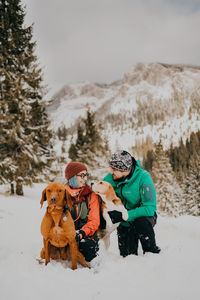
{"type": "Point", "coordinates": [157, 101]}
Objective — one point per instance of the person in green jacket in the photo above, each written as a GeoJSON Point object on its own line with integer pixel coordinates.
{"type": "Point", "coordinates": [134, 186]}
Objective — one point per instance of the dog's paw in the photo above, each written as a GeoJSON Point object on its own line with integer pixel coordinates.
{"type": "Point", "coordinates": [125, 215]}
{"type": "Point", "coordinates": [40, 261]}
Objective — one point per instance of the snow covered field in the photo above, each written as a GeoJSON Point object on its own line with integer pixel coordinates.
{"type": "Point", "coordinates": [172, 275]}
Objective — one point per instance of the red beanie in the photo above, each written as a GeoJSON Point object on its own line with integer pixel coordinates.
{"type": "Point", "coordinates": [74, 168]}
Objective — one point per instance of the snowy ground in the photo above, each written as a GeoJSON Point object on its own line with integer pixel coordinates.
{"type": "Point", "coordinates": [173, 274]}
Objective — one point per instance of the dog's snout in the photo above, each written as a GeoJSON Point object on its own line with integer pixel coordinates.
{"type": "Point", "coordinates": [53, 199]}
{"type": "Point", "coordinates": [92, 183]}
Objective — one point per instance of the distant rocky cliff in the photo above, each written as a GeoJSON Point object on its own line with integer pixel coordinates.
{"type": "Point", "coordinates": [157, 100]}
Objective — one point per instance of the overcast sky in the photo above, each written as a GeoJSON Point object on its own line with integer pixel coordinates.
{"type": "Point", "coordinates": [100, 40]}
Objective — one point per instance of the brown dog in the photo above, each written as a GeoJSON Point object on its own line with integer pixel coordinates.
{"type": "Point", "coordinates": [58, 228]}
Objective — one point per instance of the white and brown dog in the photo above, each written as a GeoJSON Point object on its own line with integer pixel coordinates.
{"type": "Point", "coordinates": [110, 202]}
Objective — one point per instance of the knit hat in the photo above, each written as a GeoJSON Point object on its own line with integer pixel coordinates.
{"type": "Point", "coordinates": [121, 160]}
{"type": "Point", "coordinates": [74, 168]}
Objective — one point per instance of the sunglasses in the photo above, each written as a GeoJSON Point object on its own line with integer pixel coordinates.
{"type": "Point", "coordinates": [83, 175]}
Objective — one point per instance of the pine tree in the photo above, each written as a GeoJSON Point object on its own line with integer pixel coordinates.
{"type": "Point", "coordinates": [92, 136]}
{"type": "Point", "coordinates": [80, 140]}
{"type": "Point", "coordinates": [169, 192]}
{"type": "Point", "coordinates": [90, 147]}
{"type": "Point", "coordinates": [179, 159]}
{"type": "Point", "coordinates": [62, 133]}
{"type": "Point", "coordinates": [192, 188]}
{"type": "Point", "coordinates": [25, 141]}
{"type": "Point", "coordinates": [148, 161]}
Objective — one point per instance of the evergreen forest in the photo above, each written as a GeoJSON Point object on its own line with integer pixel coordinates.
{"type": "Point", "coordinates": [176, 174]}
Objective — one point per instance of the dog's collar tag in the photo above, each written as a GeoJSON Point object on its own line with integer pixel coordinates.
{"type": "Point", "coordinates": [64, 218]}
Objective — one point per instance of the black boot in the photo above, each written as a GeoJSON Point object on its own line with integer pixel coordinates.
{"type": "Point", "coordinates": [148, 244]}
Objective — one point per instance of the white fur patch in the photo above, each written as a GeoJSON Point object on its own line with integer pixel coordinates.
{"type": "Point", "coordinates": [111, 206]}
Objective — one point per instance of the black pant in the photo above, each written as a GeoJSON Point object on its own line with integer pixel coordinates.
{"type": "Point", "coordinates": [141, 229]}
{"type": "Point", "coordinates": [89, 248]}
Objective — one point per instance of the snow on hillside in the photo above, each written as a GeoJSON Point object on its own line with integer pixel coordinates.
{"type": "Point", "coordinates": [74, 105]}
{"type": "Point", "coordinates": [173, 274]}
{"type": "Point", "coordinates": [146, 85]}
{"type": "Point", "coordinates": [169, 132]}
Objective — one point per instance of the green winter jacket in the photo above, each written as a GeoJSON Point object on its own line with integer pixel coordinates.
{"type": "Point", "coordinates": [137, 193]}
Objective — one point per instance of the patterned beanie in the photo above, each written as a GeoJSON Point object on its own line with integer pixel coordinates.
{"type": "Point", "coordinates": [74, 168]}
{"type": "Point", "coordinates": [121, 160]}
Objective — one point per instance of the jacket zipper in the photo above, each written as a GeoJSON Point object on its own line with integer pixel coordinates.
{"type": "Point", "coordinates": [124, 199]}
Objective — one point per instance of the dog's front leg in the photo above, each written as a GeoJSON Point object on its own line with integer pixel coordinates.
{"type": "Point", "coordinates": [106, 240]}
{"type": "Point", "coordinates": [73, 248]}
{"type": "Point", "coordinates": [46, 249]}
{"type": "Point", "coordinates": [107, 218]}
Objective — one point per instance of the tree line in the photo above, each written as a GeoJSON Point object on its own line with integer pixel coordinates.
{"type": "Point", "coordinates": [176, 173]}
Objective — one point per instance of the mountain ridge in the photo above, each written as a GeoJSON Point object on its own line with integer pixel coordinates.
{"type": "Point", "coordinates": [156, 99]}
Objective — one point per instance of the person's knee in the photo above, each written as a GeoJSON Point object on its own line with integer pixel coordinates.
{"type": "Point", "coordinates": [146, 221]}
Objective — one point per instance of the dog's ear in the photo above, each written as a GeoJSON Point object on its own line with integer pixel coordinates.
{"type": "Point", "coordinates": [68, 199]}
{"type": "Point", "coordinates": [117, 201]}
{"type": "Point", "coordinates": [111, 193]}
{"type": "Point", "coordinates": [44, 197]}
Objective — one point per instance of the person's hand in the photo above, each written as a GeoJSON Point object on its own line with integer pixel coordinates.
{"type": "Point", "coordinates": [116, 216]}
{"type": "Point", "coordinates": [80, 234]}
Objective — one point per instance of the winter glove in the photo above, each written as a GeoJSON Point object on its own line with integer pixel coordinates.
{"type": "Point", "coordinates": [80, 234]}
{"type": "Point", "coordinates": [116, 216]}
